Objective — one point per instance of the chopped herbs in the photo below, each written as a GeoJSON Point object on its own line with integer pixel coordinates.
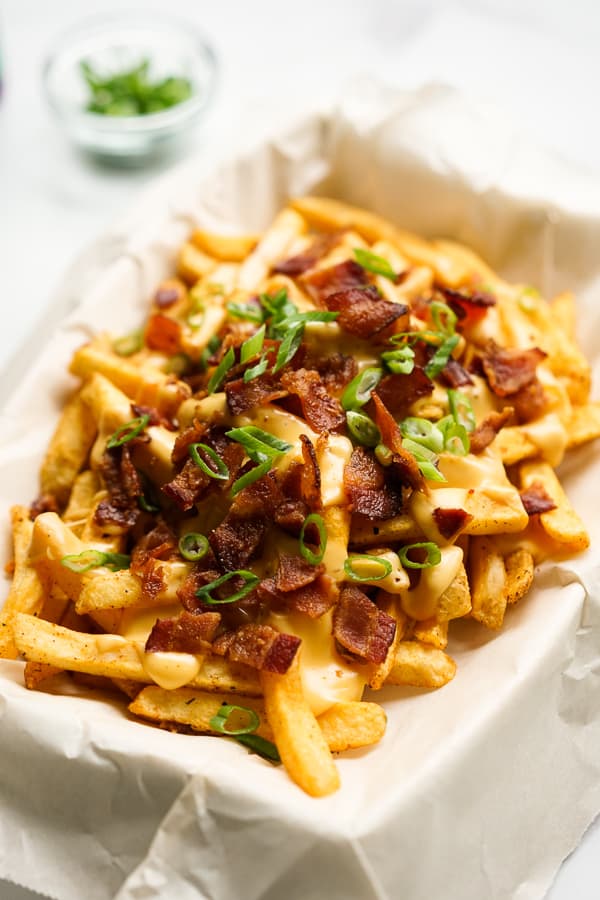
{"type": "Point", "coordinates": [133, 92]}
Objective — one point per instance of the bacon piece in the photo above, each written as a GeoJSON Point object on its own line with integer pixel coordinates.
{"type": "Point", "coordinates": [336, 371]}
{"type": "Point", "coordinates": [163, 334]}
{"type": "Point", "coordinates": [316, 250]}
{"type": "Point", "coordinates": [155, 418]}
{"type": "Point", "coordinates": [239, 537]}
{"type": "Point", "coordinates": [341, 277]}
{"type": "Point", "coordinates": [242, 396]}
{"type": "Point", "coordinates": [290, 515]}
{"type": "Point", "coordinates": [159, 543]}
{"type": "Point", "coordinates": [454, 374]}
{"type": "Point", "coordinates": [364, 483]}
{"type": "Point", "coordinates": [169, 292]}
{"type": "Point", "coordinates": [313, 599]}
{"type": "Point", "coordinates": [469, 308]}
{"type": "Point", "coordinates": [260, 647]}
{"type": "Point", "coordinates": [487, 430]}
{"type": "Point", "coordinates": [364, 313]}
{"type": "Point", "coordinates": [199, 577]}
{"type": "Point", "coordinates": [535, 499]}
{"type": "Point", "coordinates": [508, 370]}
{"type": "Point", "coordinates": [451, 522]}
{"type": "Point", "coordinates": [188, 486]}
{"type": "Point", "coordinates": [295, 572]}
{"type": "Point", "coordinates": [360, 627]}
{"type": "Point", "coordinates": [193, 434]}
{"type": "Point", "coordinates": [124, 486]}
{"type": "Point", "coordinates": [191, 483]}
{"type": "Point", "coordinates": [399, 392]}
{"type": "Point", "coordinates": [310, 475]}
{"type": "Point", "coordinates": [187, 633]}
{"type": "Point", "coordinates": [322, 412]}
{"type": "Point", "coordinates": [530, 402]}
{"type": "Point", "coordinates": [43, 503]}
{"type": "Point", "coordinates": [404, 462]}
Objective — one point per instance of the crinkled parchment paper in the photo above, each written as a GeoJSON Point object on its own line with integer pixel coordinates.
{"type": "Point", "coordinates": [477, 790]}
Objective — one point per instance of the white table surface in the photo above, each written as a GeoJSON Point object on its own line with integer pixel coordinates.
{"type": "Point", "coordinates": [536, 60]}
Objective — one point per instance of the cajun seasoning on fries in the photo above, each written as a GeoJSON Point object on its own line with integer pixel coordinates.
{"type": "Point", "coordinates": [324, 444]}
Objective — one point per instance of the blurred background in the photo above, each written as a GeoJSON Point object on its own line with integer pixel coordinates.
{"type": "Point", "coordinates": [536, 60]}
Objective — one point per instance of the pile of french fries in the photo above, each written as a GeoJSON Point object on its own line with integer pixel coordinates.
{"type": "Point", "coordinates": [59, 619]}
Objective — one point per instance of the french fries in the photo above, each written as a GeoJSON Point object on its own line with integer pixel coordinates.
{"type": "Point", "coordinates": [271, 498]}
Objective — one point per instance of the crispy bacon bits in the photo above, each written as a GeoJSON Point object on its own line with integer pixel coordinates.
{"type": "Point", "coordinates": [188, 633]}
{"type": "Point", "coordinates": [536, 500]}
{"type": "Point", "coordinates": [361, 628]}
{"type": "Point", "coordinates": [321, 411]}
{"type": "Point", "coordinates": [364, 482]}
{"type": "Point", "coordinates": [508, 370]}
{"type": "Point", "coordinates": [260, 647]}
{"type": "Point", "coordinates": [364, 313]}
{"type": "Point", "coordinates": [487, 430]}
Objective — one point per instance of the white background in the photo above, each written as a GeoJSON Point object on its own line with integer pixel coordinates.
{"type": "Point", "coordinates": [538, 61]}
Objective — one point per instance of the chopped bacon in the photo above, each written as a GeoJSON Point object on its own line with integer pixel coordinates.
{"type": "Point", "coordinates": [451, 522]}
{"type": "Point", "coordinates": [364, 313]}
{"type": "Point", "coordinates": [188, 486]}
{"type": "Point", "coordinates": [360, 627]}
{"type": "Point", "coordinates": [487, 430]}
{"type": "Point", "coordinates": [344, 276]}
{"type": "Point", "coordinates": [159, 543]}
{"type": "Point", "coordinates": [124, 486]}
{"type": "Point", "coordinates": [399, 392]}
{"type": "Point", "coordinates": [454, 374]}
{"type": "Point", "coordinates": [260, 647]}
{"type": "Point", "coordinates": [469, 308]}
{"type": "Point", "coordinates": [290, 515]}
{"type": "Point", "coordinates": [199, 577]}
{"type": "Point", "coordinates": [310, 475]}
{"type": "Point", "coordinates": [336, 371]}
{"type": "Point", "coordinates": [188, 633]}
{"type": "Point", "coordinates": [535, 499]}
{"type": "Point", "coordinates": [322, 412]}
{"type": "Point", "coordinates": [163, 334]}
{"type": "Point", "coordinates": [404, 462]}
{"type": "Point", "coordinates": [193, 434]}
{"type": "Point", "coordinates": [239, 537]}
{"type": "Point", "coordinates": [295, 572]}
{"type": "Point", "coordinates": [169, 292]}
{"type": "Point", "coordinates": [317, 249]}
{"type": "Point", "coordinates": [43, 503]}
{"type": "Point", "coordinates": [154, 416]}
{"type": "Point", "coordinates": [242, 396]}
{"type": "Point", "coordinates": [508, 370]}
{"type": "Point", "coordinates": [312, 599]}
{"type": "Point", "coordinates": [364, 483]}
{"type": "Point", "coordinates": [191, 483]}
{"type": "Point", "coordinates": [530, 402]}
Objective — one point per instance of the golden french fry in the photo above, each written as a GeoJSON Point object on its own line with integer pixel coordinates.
{"type": "Point", "coordinates": [432, 632]}
{"type": "Point", "coordinates": [234, 248]}
{"type": "Point", "coordinates": [583, 424]}
{"type": "Point", "coordinates": [421, 665]}
{"type": "Point", "coordinates": [27, 590]}
{"type": "Point", "coordinates": [299, 740]}
{"type": "Point", "coordinates": [369, 533]}
{"type": "Point", "coordinates": [561, 524]}
{"type": "Point", "coordinates": [491, 515]}
{"type": "Point", "coordinates": [124, 590]}
{"type": "Point", "coordinates": [337, 523]}
{"type": "Point", "coordinates": [272, 246]}
{"type": "Point", "coordinates": [35, 673]}
{"type": "Point", "coordinates": [513, 445]}
{"type": "Point", "coordinates": [488, 582]}
{"type": "Point", "coordinates": [352, 724]}
{"type": "Point", "coordinates": [117, 657]}
{"type": "Point", "coordinates": [392, 605]}
{"type": "Point", "coordinates": [456, 599]}
{"type": "Point", "coordinates": [564, 312]}
{"type": "Point", "coordinates": [81, 500]}
{"type": "Point", "coordinates": [68, 449]}
{"type": "Point", "coordinates": [519, 574]}
{"type": "Point", "coordinates": [193, 264]}
{"type": "Point", "coordinates": [194, 708]}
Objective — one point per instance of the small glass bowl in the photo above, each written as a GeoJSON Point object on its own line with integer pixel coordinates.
{"type": "Point", "coordinates": [112, 45]}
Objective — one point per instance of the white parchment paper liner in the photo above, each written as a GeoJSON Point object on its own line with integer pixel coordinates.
{"type": "Point", "coordinates": [477, 790]}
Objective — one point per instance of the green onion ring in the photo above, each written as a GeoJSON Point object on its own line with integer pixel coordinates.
{"type": "Point", "coordinates": [314, 558]}
{"type": "Point", "coordinates": [434, 555]}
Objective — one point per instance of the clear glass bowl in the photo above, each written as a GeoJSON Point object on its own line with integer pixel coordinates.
{"type": "Point", "coordinates": [116, 44]}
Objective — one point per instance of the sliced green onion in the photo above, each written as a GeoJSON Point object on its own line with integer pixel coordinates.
{"type": "Point", "coordinates": [258, 444]}
{"type": "Point", "coordinates": [212, 347]}
{"type": "Point", "coordinates": [247, 311]}
{"type": "Point", "coordinates": [363, 428]}
{"type": "Point", "coordinates": [383, 567]}
{"type": "Point", "coordinates": [129, 344]}
{"type": "Point", "coordinates": [261, 746]}
{"type": "Point", "coordinates": [461, 409]}
{"type": "Point", "coordinates": [193, 546]}
{"type": "Point", "coordinates": [430, 471]}
{"type": "Point", "coordinates": [289, 346]}
{"type": "Point", "coordinates": [147, 505]}
{"type": "Point", "coordinates": [306, 318]}
{"type": "Point", "coordinates": [432, 555]}
{"type": "Point", "coordinates": [423, 432]}
{"type": "Point", "coordinates": [216, 379]}
{"type": "Point", "coordinates": [251, 476]}
{"type": "Point", "coordinates": [444, 318]}
{"type": "Point", "coordinates": [219, 721]}
{"type": "Point", "coordinates": [253, 345]}
{"type": "Point", "coordinates": [383, 455]}
{"type": "Point", "coordinates": [259, 369]}
{"type": "Point", "coordinates": [441, 356]}
{"type": "Point", "coordinates": [220, 472]}
{"type": "Point", "coordinates": [419, 451]}
{"type": "Point", "coordinates": [314, 558]}
{"type": "Point", "coordinates": [360, 388]}
{"type": "Point", "coordinates": [400, 361]}
{"type": "Point", "coordinates": [373, 263]}
{"type": "Point", "coordinates": [277, 306]}
{"type": "Point", "coordinates": [177, 364]}
{"type": "Point", "coordinates": [406, 338]}
{"type": "Point", "coordinates": [250, 581]}
{"type": "Point", "coordinates": [91, 559]}
{"type": "Point", "coordinates": [127, 432]}
{"type": "Point", "coordinates": [455, 435]}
